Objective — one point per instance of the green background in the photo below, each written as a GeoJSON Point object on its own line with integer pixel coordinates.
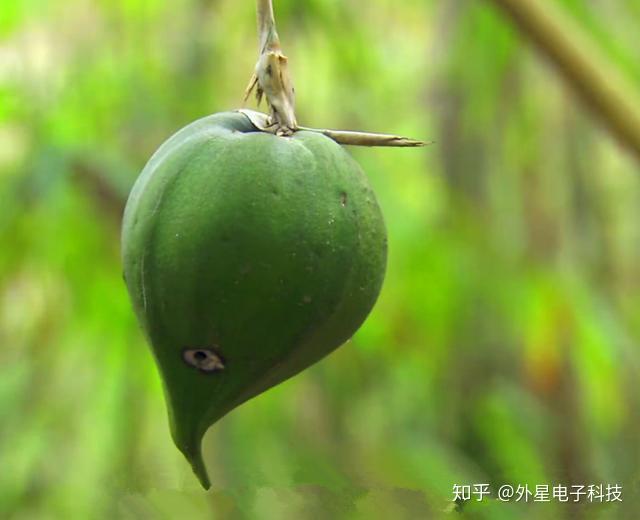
{"type": "Point", "coordinates": [504, 345]}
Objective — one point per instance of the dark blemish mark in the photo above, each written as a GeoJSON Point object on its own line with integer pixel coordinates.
{"type": "Point", "coordinates": [343, 199]}
{"type": "Point", "coordinates": [268, 70]}
{"type": "Point", "coordinates": [204, 359]}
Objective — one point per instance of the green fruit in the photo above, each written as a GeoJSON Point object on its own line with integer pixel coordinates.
{"type": "Point", "coordinates": [248, 257]}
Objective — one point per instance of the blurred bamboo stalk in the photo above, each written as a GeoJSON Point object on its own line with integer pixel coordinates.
{"type": "Point", "coordinates": [581, 64]}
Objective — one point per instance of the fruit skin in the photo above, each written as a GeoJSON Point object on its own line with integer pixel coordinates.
{"type": "Point", "coordinates": [268, 250]}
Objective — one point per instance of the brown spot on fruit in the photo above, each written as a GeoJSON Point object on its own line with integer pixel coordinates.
{"type": "Point", "coordinates": [204, 359]}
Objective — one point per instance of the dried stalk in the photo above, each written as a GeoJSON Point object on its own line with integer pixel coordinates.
{"type": "Point", "coordinates": [262, 122]}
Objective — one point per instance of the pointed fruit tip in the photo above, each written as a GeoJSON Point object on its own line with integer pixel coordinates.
{"type": "Point", "coordinates": [198, 467]}
{"type": "Point", "coordinates": [190, 445]}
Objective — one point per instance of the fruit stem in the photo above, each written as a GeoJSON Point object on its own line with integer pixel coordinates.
{"type": "Point", "coordinates": [271, 79]}
{"type": "Point", "coordinates": [271, 76]}
{"type": "Point", "coordinates": [267, 25]}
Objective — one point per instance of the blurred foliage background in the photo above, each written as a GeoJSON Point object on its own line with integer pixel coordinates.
{"type": "Point", "coordinates": [504, 346]}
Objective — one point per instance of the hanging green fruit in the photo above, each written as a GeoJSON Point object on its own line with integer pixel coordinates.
{"type": "Point", "coordinates": [251, 250]}
{"type": "Point", "coordinates": [248, 257]}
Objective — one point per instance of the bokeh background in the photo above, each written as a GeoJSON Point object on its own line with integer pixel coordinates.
{"type": "Point", "coordinates": [504, 346]}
